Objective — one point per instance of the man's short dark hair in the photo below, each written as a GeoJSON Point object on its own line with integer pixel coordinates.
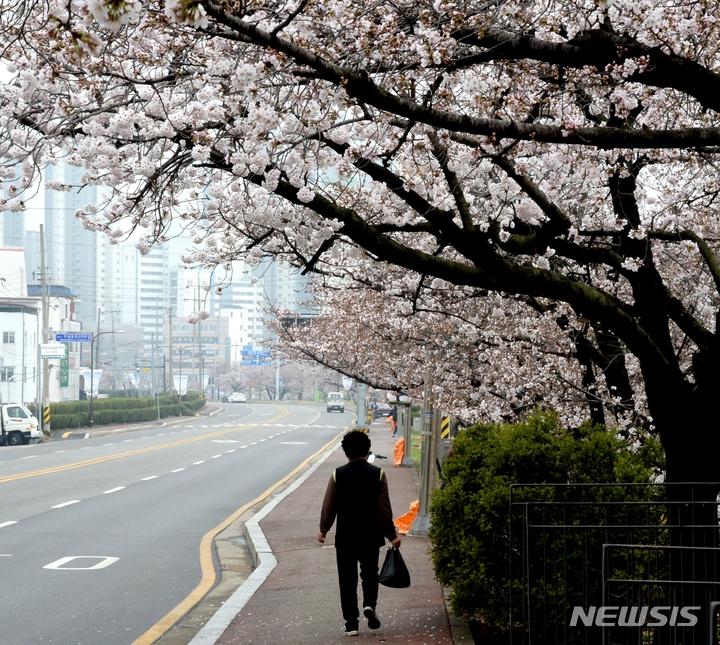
{"type": "Point", "coordinates": [356, 444]}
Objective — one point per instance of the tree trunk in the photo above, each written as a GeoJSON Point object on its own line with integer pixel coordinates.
{"type": "Point", "coordinates": [685, 417]}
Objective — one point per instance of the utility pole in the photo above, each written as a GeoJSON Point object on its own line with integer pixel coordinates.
{"type": "Point", "coordinates": [155, 338]}
{"type": "Point", "coordinates": [93, 359]}
{"type": "Point", "coordinates": [170, 339]}
{"type": "Point", "coordinates": [192, 351]}
{"type": "Point", "coordinates": [45, 325]}
{"type": "Point", "coordinates": [361, 406]}
{"type": "Point", "coordinates": [115, 363]}
{"type": "Point", "coordinates": [152, 364]}
{"type": "Point", "coordinates": [421, 525]}
{"type": "Point", "coordinates": [201, 383]}
{"type": "Point", "coordinates": [277, 380]}
{"type": "Point", "coordinates": [407, 431]}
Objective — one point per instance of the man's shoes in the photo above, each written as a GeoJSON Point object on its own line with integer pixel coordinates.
{"type": "Point", "coordinates": [372, 618]}
{"type": "Point", "coordinates": [351, 630]}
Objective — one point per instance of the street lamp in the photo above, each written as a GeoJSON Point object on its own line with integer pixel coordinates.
{"type": "Point", "coordinates": [93, 360]}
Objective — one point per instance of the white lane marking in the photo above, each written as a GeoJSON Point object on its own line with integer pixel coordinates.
{"type": "Point", "coordinates": [241, 447]}
{"type": "Point", "coordinates": [29, 457]}
{"type": "Point", "coordinates": [160, 435]}
{"type": "Point", "coordinates": [141, 438]}
{"type": "Point", "coordinates": [229, 451]}
{"type": "Point", "coordinates": [128, 440]}
{"type": "Point", "coordinates": [8, 523]}
{"type": "Point", "coordinates": [72, 501]}
{"type": "Point", "coordinates": [145, 479]}
{"type": "Point", "coordinates": [293, 443]}
{"type": "Point", "coordinates": [254, 443]}
{"type": "Point", "coordinates": [271, 436]}
{"type": "Point", "coordinates": [216, 456]}
{"type": "Point", "coordinates": [105, 561]}
{"type": "Point", "coordinates": [5, 555]}
{"type": "Point", "coordinates": [113, 490]}
{"type": "Point", "coordinates": [197, 463]}
{"type": "Point", "coordinates": [177, 470]}
{"type": "Point", "coordinates": [109, 444]}
{"type": "Point", "coordinates": [224, 441]}
{"type": "Point", "coordinates": [58, 451]}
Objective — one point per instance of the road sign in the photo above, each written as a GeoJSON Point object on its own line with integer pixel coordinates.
{"type": "Point", "coordinates": [255, 352]}
{"type": "Point", "coordinates": [246, 348]}
{"type": "Point", "coordinates": [74, 337]}
{"type": "Point", "coordinates": [52, 350]}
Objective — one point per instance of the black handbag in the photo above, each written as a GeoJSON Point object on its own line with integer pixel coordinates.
{"type": "Point", "coordinates": [394, 573]}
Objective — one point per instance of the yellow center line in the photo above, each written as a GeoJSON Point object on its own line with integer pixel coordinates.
{"type": "Point", "coordinates": [100, 460]}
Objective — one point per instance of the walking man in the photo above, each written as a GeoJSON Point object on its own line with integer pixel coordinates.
{"type": "Point", "coordinates": [357, 495]}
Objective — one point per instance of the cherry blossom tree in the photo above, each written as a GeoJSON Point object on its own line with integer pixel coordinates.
{"type": "Point", "coordinates": [490, 358]}
{"type": "Point", "coordinates": [297, 379]}
{"type": "Point", "coordinates": [557, 157]}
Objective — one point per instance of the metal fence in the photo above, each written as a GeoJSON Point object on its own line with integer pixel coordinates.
{"type": "Point", "coordinates": [614, 564]}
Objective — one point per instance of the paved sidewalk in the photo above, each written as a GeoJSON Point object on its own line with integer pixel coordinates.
{"type": "Point", "coordinates": [298, 603]}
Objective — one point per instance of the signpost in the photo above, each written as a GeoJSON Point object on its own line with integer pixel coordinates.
{"type": "Point", "coordinates": [52, 350]}
{"type": "Point", "coordinates": [74, 337]}
{"type": "Point", "coordinates": [252, 356]}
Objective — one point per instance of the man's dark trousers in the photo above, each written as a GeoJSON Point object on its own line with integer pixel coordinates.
{"type": "Point", "coordinates": [347, 564]}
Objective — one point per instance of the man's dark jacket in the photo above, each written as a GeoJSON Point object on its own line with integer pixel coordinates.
{"type": "Point", "coordinates": [357, 494]}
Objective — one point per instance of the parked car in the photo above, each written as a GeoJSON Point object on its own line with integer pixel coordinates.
{"type": "Point", "coordinates": [18, 425]}
{"type": "Point", "coordinates": [382, 410]}
{"type": "Point", "coordinates": [234, 397]}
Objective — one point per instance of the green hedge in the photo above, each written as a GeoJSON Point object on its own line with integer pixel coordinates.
{"type": "Point", "coordinates": [76, 414]}
{"type": "Point", "coordinates": [469, 527]}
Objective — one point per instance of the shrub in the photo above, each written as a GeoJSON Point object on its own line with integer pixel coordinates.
{"type": "Point", "coordinates": [470, 520]}
{"type": "Point", "coordinates": [76, 414]}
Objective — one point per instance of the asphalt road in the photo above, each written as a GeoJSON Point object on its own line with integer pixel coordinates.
{"type": "Point", "coordinates": [100, 538]}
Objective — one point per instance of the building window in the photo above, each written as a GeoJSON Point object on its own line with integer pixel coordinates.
{"type": "Point", "coordinates": [8, 337]}
{"type": "Point", "coordinates": [6, 373]}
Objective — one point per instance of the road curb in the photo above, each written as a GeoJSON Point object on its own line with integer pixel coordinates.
{"type": "Point", "coordinates": [263, 557]}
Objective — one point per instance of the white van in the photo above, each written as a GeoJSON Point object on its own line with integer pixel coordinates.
{"type": "Point", "coordinates": [17, 425]}
{"type": "Point", "coordinates": [335, 401]}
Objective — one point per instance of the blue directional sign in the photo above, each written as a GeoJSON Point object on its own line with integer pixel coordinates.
{"type": "Point", "coordinates": [256, 357]}
{"type": "Point", "coordinates": [78, 337]}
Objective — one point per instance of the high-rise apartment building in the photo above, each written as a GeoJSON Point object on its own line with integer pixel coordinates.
{"type": "Point", "coordinates": [71, 249]}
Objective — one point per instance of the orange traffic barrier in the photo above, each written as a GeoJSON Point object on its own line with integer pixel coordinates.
{"type": "Point", "coordinates": [404, 522]}
{"type": "Point", "coordinates": [399, 451]}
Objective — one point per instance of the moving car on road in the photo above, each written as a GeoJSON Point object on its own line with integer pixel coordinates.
{"type": "Point", "coordinates": [234, 397]}
{"type": "Point", "coordinates": [335, 401]}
